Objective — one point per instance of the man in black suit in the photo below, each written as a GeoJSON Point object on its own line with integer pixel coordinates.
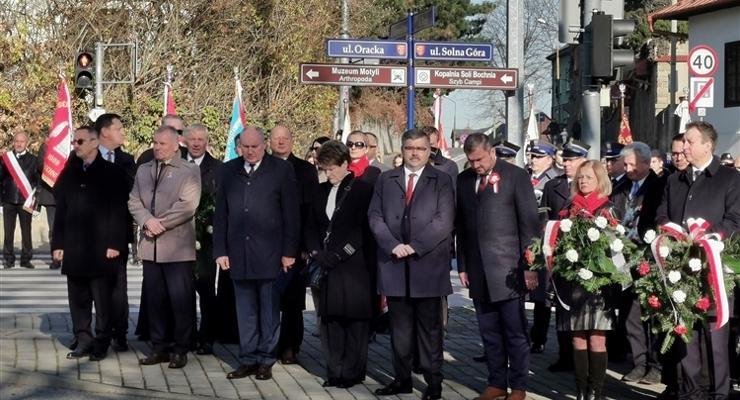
{"type": "Point", "coordinates": [437, 159]}
{"type": "Point", "coordinates": [12, 201]}
{"type": "Point", "coordinates": [412, 216]}
{"type": "Point", "coordinates": [372, 152]}
{"type": "Point", "coordinates": [612, 154]}
{"type": "Point", "coordinates": [496, 221]}
{"type": "Point", "coordinates": [712, 192]}
{"type": "Point", "coordinates": [196, 138]}
{"type": "Point", "coordinates": [636, 203]}
{"type": "Point", "coordinates": [176, 123]}
{"type": "Point", "coordinates": [556, 196]}
{"type": "Point", "coordinates": [92, 253]}
{"type": "Point", "coordinates": [293, 298]}
{"type": "Point", "coordinates": [45, 198]}
{"type": "Point", "coordinates": [255, 237]}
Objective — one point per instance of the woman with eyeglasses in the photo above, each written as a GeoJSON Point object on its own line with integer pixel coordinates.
{"type": "Point", "coordinates": [360, 165]}
{"type": "Point", "coordinates": [336, 232]}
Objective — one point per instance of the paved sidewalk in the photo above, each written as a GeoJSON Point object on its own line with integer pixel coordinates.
{"type": "Point", "coordinates": [35, 345]}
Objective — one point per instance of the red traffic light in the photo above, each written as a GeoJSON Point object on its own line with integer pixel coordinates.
{"type": "Point", "coordinates": [84, 60]}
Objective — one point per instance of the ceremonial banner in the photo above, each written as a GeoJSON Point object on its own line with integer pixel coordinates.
{"type": "Point", "coordinates": [237, 124]}
{"type": "Point", "coordinates": [533, 130]}
{"type": "Point", "coordinates": [437, 112]}
{"type": "Point", "coordinates": [625, 133]}
{"type": "Point", "coordinates": [346, 126]}
{"type": "Point", "coordinates": [59, 143]}
{"type": "Point", "coordinates": [169, 100]}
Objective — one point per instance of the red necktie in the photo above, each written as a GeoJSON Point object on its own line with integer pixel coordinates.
{"type": "Point", "coordinates": [410, 189]}
{"type": "Point", "coordinates": [483, 184]}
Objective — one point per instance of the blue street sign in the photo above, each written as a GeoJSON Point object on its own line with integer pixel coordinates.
{"type": "Point", "coordinates": [453, 51]}
{"type": "Point", "coordinates": [389, 49]}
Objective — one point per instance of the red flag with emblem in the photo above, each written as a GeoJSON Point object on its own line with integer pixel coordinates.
{"type": "Point", "coordinates": [59, 143]}
{"type": "Point", "coordinates": [625, 133]}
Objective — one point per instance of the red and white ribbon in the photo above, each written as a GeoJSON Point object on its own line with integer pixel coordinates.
{"type": "Point", "coordinates": [711, 243]}
{"type": "Point", "coordinates": [19, 177]}
{"type": "Point", "coordinates": [552, 230]}
{"type": "Point", "coordinates": [493, 180]}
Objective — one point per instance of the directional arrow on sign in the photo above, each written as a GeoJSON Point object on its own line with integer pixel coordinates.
{"type": "Point", "coordinates": [311, 74]}
{"type": "Point", "coordinates": [507, 79]}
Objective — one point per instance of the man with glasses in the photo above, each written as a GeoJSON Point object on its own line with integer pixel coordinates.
{"type": "Point", "coordinates": [93, 253]}
{"type": "Point", "coordinates": [678, 158]}
{"type": "Point", "coordinates": [372, 152]}
{"type": "Point", "coordinates": [412, 216]}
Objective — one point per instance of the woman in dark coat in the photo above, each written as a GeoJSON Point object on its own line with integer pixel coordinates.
{"type": "Point", "coordinates": [590, 315]}
{"type": "Point", "coordinates": [336, 232]}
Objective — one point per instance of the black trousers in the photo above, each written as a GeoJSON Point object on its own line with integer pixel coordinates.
{"type": "Point", "coordinates": [11, 212]}
{"type": "Point", "coordinates": [690, 356]}
{"type": "Point", "coordinates": [205, 285]}
{"type": "Point", "coordinates": [415, 324]}
{"type": "Point", "coordinates": [344, 342]}
{"type": "Point", "coordinates": [642, 342]}
{"type": "Point", "coordinates": [169, 288]}
{"type": "Point", "coordinates": [540, 322]}
{"type": "Point", "coordinates": [51, 212]}
{"type": "Point", "coordinates": [292, 304]}
{"type": "Point", "coordinates": [82, 293]}
{"type": "Point", "coordinates": [119, 306]}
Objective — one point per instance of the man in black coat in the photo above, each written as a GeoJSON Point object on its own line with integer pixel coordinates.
{"type": "Point", "coordinates": [411, 216]}
{"type": "Point", "coordinates": [556, 196]}
{"type": "Point", "coordinates": [12, 201]}
{"type": "Point", "coordinates": [496, 221]}
{"type": "Point", "coordinates": [293, 298]}
{"type": "Point", "coordinates": [712, 192]}
{"type": "Point", "coordinates": [45, 198]}
{"type": "Point", "coordinates": [212, 317]}
{"type": "Point", "coordinates": [612, 153]}
{"type": "Point", "coordinates": [437, 159]}
{"type": "Point", "coordinates": [110, 138]}
{"type": "Point", "coordinates": [255, 237]}
{"type": "Point", "coordinates": [92, 253]}
{"type": "Point", "coordinates": [636, 203]}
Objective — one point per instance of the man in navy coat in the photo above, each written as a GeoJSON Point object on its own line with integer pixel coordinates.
{"type": "Point", "coordinates": [255, 235]}
{"type": "Point", "coordinates": [412, 216]}
{"type": "Point", "coordinates": [496, 221]}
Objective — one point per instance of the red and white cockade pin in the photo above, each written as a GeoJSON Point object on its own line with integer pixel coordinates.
{"type": "Point", "coordinates": [493, 180]}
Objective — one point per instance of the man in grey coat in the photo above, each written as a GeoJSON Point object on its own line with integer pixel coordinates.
{"type": "Point", "coordinates": [163, 201]}
{"type": "Point", "coordinates": [412, 216]}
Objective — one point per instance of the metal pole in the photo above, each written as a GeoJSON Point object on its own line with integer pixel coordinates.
{"type": "Point", "coordinates": [411, 95]}
{"type": "Point", "coordinates": [591, 109]}
{"type": "Point", "coordinates": [454, 119]}
{"type": "Point", "coordinates": [343, 90]}
{"type": "Point", "coordinates": [99, 74]}
{"type": "Point", "coordinates": [515, 57]}
{"type": "Point", "coordinates": [672, 83]}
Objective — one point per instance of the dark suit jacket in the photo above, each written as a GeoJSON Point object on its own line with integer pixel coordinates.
{"type": "Point", "coordinates": [126, 162]}
{"type": "Point", "coordinates": [256, 217]}
{"type": "Point", "coordinates": [92, 216]}
{"type": "Point", "coordinates": [715, 196]}
{"type": "Point", "coordinates": [308, 182]}
{"type": "Point", "coordinates": [555, 197]}
{"type": "Point", "coordinates": [347, 291]}
{"type": "Point", "coordinates": [638, 215]}
{"type": "Point", "coordinates": [442, 163]}
{"type": "Point", "coordinates": [11, 194]}
{"type": "Point", "coordinates": [429, 222]}
{"type": "Point", "coordinates": [209, 173]}
{"type": "Point", "coordinates": [493, 230]}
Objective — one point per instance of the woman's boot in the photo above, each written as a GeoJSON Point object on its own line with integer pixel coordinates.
{"type": "Point", "coordinates": [580, 364]}
{"type": "Point", "coordinates": [597, 363]}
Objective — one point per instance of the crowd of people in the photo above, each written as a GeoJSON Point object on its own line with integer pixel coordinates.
{"type": "Point", "coordinates": [250, 234]}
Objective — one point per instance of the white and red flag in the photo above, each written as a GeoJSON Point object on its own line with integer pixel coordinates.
{"type": "Point", "coordinates": [59, 143]}
{"type": "Point", "coordinates": [169, 100]}
{"type": "Point", "coordinates": [625, 133]}
{"type": "Point", "coordinates": [437, 112]}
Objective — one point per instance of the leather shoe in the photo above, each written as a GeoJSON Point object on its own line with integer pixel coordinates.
{"type": "Point", "coordinates": [492, 393]}
{"type": "Point", "coordinates": [264, 373]}
{"type": "Point", "coordinates": [73, 355]}
{"type": "Point", "coordinates": [331, 383]}
{"type": "Point", "coordinates": [120, 344]}
{"type": "Point", "coordinates": [27, 264]}
{"type": "Point", "coordinates": [432, 393]}
{"type": "Point", "coordinates": [243, 371]}
{"type": "Point", "coordinates": [635, 375]}
{"type": "Point", "coordinates": [73, 345]}
{"type": "Point", "coordinates": [652, 377]}
{"type": "Point", "coordinates": [155, 358]}
{"type": "Point", "coordinates": [537, 349]}
{"type": "Point", "coordinates": [480, 358]}
{"type": "Point", "coordinates": [288, 358]}
{"type": "Point", "coordinates": [178, 361]}
{"type": "Point", "coordinates": [517, 395]}
{"type": "Point", "coordinates": [205, 348]}
{"type": "Point", "coordinates": [98, 355]}
{"type": "Point", "coordinates": [395, 387]}
{"type": "Point", "coordinates": [346, 384]}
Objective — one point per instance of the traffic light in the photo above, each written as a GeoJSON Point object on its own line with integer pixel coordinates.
{"type": "Point", "coordinates": [604, 57]}
{"type": "Point", "coordinates": [84, 70]}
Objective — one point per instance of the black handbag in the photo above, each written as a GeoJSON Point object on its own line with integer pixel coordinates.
{"type": "Point", "coordinates": [317, 273]}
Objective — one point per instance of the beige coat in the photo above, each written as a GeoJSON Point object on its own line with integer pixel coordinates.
{"type": "Point", "coordinates": [177, 197]}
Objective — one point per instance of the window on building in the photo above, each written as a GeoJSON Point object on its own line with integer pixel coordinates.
{"type": "Point", "coordinates": [732, 74]}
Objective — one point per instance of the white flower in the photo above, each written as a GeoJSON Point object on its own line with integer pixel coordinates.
{"type": "Point", "coordinates": [620, 229]}
{"type": "Point", "coordinates": [209, 229]}
{"type": "Point", "coordinates": [674, 276]}
{"type": "Point", "coordinates": [565, 225]}
{"type": "Point", "coordinates": [197, 245]}
{"type": "Point", "coordinates": [593, 234]}
{"type": "Point", "coordinates": [679, 296]}
{"type": "Point", "coordinates": [695, 264]}
{"type": "Point", "coordinates": [546, 250]}
{"type": "Point", "coordinates": [664, 251]}
{"type": "Point", "coordinates": [601, 222]}
{"type": "Point", "coordinates": [690, 221]}
{"type": "Point", "coordinates": [585, 274]}
{"type": "Point", "coordinates": [617, 246]}
{"type": "Point", "coordinates": [649, 236]}
{"type": "Point", "coordinates": [571, 255]}
{"type": "Point", "coordinates": [721, 246]}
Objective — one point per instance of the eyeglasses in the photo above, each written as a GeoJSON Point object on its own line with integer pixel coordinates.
{"type": "Point", "coordinates": [677, 154]}
{"type": "Point", "coordinates": [359, 145]}
{"type": "Point", "coordinates": [81, 141]}
{"type": "Point", "coordinates": [179, 131]}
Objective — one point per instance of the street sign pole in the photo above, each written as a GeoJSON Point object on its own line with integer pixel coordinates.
{"type": "Point", "coordinates": [411, 95]}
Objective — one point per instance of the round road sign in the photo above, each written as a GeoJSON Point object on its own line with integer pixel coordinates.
{"type": "Point", "coordinates": [702, 61]}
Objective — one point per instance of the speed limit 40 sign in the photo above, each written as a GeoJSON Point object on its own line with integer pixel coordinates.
{"type": "Point", "coordinates": [702, 61]}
